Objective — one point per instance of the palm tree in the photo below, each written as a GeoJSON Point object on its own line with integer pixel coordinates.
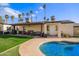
{"type": "Point", "coordinates": [12, 18]}
{"type": "Point", "coordinates": [27, 14]}
{"type": "Point", "coordinates": [47, 19]}
{"type": "Point", "coordinates": [1, 22]}
{"type": "Point", "coordinates": [27, 19]}
{"type": "Point", "coordinates": [31, 12]}
{"type": "Point", "coordinates": [6, 18]}
{"type": "Point", "coordinates": [44, 7]}
{"type": "Point", "coordinates": [22, 22]}
{"type": "Point", "coordinates": [0, 19]}
{"type": "Point", "coordinates": [36, 14]}
{"type": "Point", "coordinates": [20, 18]}
{"type": "Point", "coordinates": [23, 16]}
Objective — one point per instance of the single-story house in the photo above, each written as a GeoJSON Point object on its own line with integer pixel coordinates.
{"type": "Point", "coordinates": [49, 27]}
{"type": "Point", "coordinates": [76, 29]}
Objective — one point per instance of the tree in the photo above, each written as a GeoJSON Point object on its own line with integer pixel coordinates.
{"type": "Point", "coordinates": [27, 14]}
{"type": "Point", "coordinates": [44, 7]}
{"type": "Point", "coordinates": [23, 14]}
{"type": "Point", "coordinates": [22, 22]}
{"type": "Point", "coordinates": [23, 17]}
{"type": "Point", "coordinates": [47, 19]}
{"type": "Point", "coordinates": [1, 27]}
{"type": "Point", "coordinates": [31, 13]}
{"type": "Point", "coordinates": [27, 19]}
{"type": "Point", "coordinates": [6, 19]}
{"type": "Point", "coordinates": [20, 18]}
{"type": "Point", "coordinates": [36, 14]}
{"type": "Point", "coordinates": [0, 19]}
{"type": "Point", "coordinates": [12, 18]}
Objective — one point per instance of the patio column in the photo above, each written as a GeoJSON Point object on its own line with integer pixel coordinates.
{"type": "Point", "coordinates": [41, 28]}
{"type": "Point", "coordinates": [14, 27]}
{"type": "Point", "coordinates": [45, 28]}
{"type": "Point", "coordinates": [59, 30]}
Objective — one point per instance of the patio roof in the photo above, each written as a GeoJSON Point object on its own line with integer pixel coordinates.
{"type": "Point", "coordinates": [33, 23]}
{"type": "Point", "coordinates": [39, 23]}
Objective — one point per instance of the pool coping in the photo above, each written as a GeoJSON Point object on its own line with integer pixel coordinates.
{"type": "Point", "coordinates": [31, 47]}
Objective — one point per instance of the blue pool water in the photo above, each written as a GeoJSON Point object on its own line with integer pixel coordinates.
{"type": "Point", "coordinates": [60, 49]}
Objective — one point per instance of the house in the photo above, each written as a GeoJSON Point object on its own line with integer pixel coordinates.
{"type": "Point", "coordinates": [76, 29]}
{"type": "Point", "coordinates": [52, 28]}
{"type": "Point", "coordinates": [3, 26]}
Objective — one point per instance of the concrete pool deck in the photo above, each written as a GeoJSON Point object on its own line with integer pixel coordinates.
{"type": "Point", "coordinates": [31, 47]}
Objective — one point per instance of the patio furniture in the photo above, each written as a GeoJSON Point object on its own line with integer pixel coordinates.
{"type": "Point", "coordinates": [36, 33]}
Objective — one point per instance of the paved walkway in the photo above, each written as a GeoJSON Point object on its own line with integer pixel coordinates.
{"type": "Point", "coordinates": [31, 47]}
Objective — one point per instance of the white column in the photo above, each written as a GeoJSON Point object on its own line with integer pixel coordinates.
{"type": "Point", "coordinates": [45, 28]}
{"type": "Point", "coordinates": [59, 30]}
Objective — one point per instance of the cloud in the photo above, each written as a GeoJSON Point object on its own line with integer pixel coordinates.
{"type": "Point", "coordinates": [33, 15]}
{"type": "Point", "coordinates": [10, 11]}
{"type": "Point", "coordinates": [4, 4]}
{"type": "Point", "coordinates": [4, 9]}
{"type": "Point", "coordinates": [41, 8]}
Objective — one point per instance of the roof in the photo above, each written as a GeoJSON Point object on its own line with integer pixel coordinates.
{"type": "Point", "coordinates": [63, 21]}
{"type": "Point", "coordinates": [37, 23]}
{"type": "Point", "coordinates": [76, 24]}
{"type": "Point", "coordinates": [33, 23]}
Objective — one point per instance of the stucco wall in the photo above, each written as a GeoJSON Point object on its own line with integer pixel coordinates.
{"type": "Point", "coordinates": [19, 27]}
{"type": "Point", "coordinates": [33, 27]}
{"type": "Point", "coordinates": [76, 31]}
{"type": "Point", "coordinates": [52, 29]}
{"type": "Point", "coordinates": [67, 28]}
{"type": "Point", "coordinates": [5, 27]}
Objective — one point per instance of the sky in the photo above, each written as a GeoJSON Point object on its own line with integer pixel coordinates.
{"type": "Point", "coordinates": [61, 11]}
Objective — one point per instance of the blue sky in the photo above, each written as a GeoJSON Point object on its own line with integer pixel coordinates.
{"type": "Point", "coordinates": [65, 11]}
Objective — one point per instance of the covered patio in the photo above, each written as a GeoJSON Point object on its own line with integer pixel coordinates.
{"type": "Point", "coordinates": [37, 27]}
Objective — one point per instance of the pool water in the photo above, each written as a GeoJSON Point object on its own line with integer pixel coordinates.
{"type": "Point", "coordinates": [60, 49]}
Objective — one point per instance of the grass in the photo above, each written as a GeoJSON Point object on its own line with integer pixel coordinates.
{"type": "Point", "coordinates": [14, 51]}
{"type": "Point", "coordinates": [76, 36]}
{"type": "Point", "coordinates": [9, 41]}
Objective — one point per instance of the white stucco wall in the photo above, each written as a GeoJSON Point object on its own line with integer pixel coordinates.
{"type": "Point", "coordinates": [52, 29]}
{"type": "Point", "coordinates": [5, 27]}
{"type": "Point", "coordinates": [67, 28]}
{"type": "Point", "coordinates": [33, 27]}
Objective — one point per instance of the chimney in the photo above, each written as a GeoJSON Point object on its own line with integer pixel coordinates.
{"type": "Point", "coordinates": [52, 18]}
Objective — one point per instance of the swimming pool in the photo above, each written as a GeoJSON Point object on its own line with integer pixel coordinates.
{"type": "Point", "coordinates": [62, 48]}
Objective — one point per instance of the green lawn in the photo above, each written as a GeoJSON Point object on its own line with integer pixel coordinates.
{"type": "Point", "coordinates": [9, 41]}
{"type": "Point", "coordinates": [76, 36]}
